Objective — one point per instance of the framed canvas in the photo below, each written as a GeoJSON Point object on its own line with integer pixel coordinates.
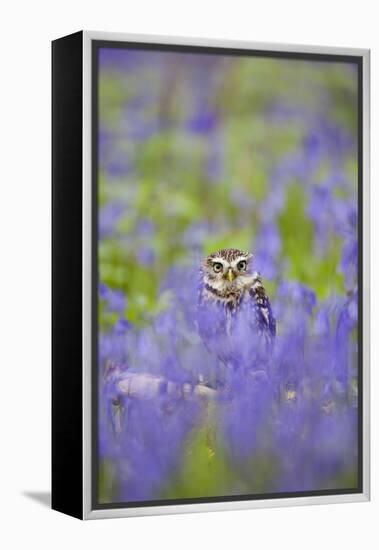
{"type": "Point", "coordinates": [210, 275]}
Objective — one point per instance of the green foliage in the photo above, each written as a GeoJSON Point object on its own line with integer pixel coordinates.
{"type": "Point", "coordinates": [107, 482]}
{"type": "Point", "coordinates": [204, 468]}
{"type": "Point", "coordinates": [302, 264]}
{"type": "Point", "coordinates": [207, 471]}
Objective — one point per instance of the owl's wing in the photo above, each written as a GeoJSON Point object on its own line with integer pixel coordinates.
{"type": "Point", "coordinates": [264, 317]}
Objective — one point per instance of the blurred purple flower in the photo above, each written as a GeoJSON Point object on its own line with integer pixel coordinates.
{"type": "Point", "coordinates": [195, 234]}
{"type": "Point", "coordinates": [115, 299]}
{"type": "Point", "coordinates": [103, 291]}
{"type": "Point", "coordinates": [115, 58]}
{"type": "Point", "coordinates": [215, 163]}
{"type": "Point", "coordinates": [319, 211]}
{"type": "Point", "coordinates": [298, 295]}
{"type": "Point", "coordinates": [203, 122]}
{"type": "Point", "coordinates": [138, 126]}
{"type": "Point", "coordinates": [293, 407]}
{"type": "Point", "coordinates": [146, 256]}
{"type": "Point", "coordinates": [121, 326]}
{"type": "Point", "coordinates": [346, 223]}
{"type": "Point", "coordinates": [242, 199]}
{"type": "Point", "coordinates": [109, 216]}
{"type": "Point", "coordinates": [275, 201]}
{"type": "Point", "coordinates": [117, 165]}
{"type": "Point", "coordinates": [145, 227]}
{"type": "Point", "coordinates": [267, 250]}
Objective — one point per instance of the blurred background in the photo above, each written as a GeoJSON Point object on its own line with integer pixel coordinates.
{"type": "Point", "coordinates": [201, 152]}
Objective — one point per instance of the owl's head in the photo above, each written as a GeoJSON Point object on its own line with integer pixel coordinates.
{"type": "Point", "coordinates": [226, 269]}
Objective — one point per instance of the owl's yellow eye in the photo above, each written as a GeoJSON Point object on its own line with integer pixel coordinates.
{"type": "Point", "coordinates": [217, 267]}
{"type": "Point", "coordinates": [241, 266]}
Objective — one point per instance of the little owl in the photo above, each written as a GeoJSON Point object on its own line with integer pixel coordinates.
{"type": "Point", "coordinates": [234, 318]}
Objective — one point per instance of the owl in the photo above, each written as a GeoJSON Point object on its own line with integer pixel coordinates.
{"type": "Point", "coordinates": [234, 319]}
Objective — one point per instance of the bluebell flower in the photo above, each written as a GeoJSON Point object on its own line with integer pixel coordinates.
{"type": "Point", "coordinates": [109, 216]}
{"type": "Point", "coordinates": [117, 165]}
{"type": "Point", "coordinates": [195, 234]}
{"type": "Point", "coordinates": [103, 291]}
{"type": "Point", "coordinates": [114, 58]}
{"type": "Point", "coordinates": [203, 122]}
{"type": "Point", "coordinates": [115, 299]}
{"type": "Point", "coordinates": [146, 256]}
{"type": "Point", "coordinates": [145, 227]}
{"type": "Point", "coordinates": [267, 250]}
{"type": "Point", "coordinates": [215, 161]}
{"type": "Point", "coordinates": [319, 210]}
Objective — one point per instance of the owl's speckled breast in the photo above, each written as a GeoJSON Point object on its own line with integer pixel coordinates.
{"type": "Point", "coordinates": [230, 298]}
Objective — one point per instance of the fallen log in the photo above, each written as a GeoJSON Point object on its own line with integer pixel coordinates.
{"type": "Point", "coordinates": [148, 386]}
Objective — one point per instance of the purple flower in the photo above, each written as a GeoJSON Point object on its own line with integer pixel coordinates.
{"type": "Point", "coordinates": [349, 260]}
{"type": "Point", "coordinates": [138, 126]}
{"type": "Point", "coordinates": [118, 165]}
{"type": "Point", "coordinates": [146, 256]}
{"type": "Point", "coordinates": [193, 237]}
{"type": "Point", "coordinates": [109, 216]}
{"type": "Point", "coordinates": [203, 122]}
{"type": "Point", "coordinates": [215, 163]}
{"type": "Point", "coordinates": [267, 250]}
{"type": "Point", "coordinates": [115, 299]}
{"type": "Point", "coordinates": [121, 326]}
{"type": "Point", "coordinates": [293, 407]}
{"type": "Point", "coordinates": [298, 296]}
{"type": "Point", "coordinates": [103, 291]}
{"type": "Point", "coordinates": [145, 227]}
{"type": "Point", "coordinates": [319, 210]}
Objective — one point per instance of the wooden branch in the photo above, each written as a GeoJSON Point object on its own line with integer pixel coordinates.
{"type": "Point", "coordinates": [147, 386]}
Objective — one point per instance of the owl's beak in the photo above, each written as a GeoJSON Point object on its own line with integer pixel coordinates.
{"type": "Point", "coordinates": [230, 275]}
